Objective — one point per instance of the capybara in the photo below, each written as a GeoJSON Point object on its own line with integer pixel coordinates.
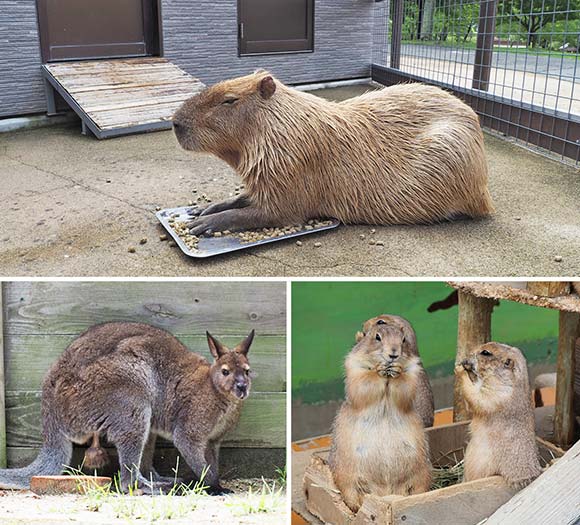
{"type": "Point", "coordinates": [131, 382]}
{"type": "Point", "coordinates": [405, 154]}
{"type": "Point", "coordinates": [494, 382]}
{"type": "Point", "coordinates": [424, 403]}
{"type": "Point", "coordinates": [378, 442]}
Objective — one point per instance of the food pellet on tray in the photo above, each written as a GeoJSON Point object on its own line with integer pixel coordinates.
{"type": "Point", "coordinates": [246, 237]}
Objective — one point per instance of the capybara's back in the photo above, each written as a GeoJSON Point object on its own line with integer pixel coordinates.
{"type": "Point", "coordinates": [404, 154]}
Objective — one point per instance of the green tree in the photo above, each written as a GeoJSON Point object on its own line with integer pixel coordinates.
{"type": "Point", "coordinates": [533, 15]}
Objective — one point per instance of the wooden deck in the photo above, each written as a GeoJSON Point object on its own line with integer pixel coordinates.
{"type": "Point", "coordinates": [122, 96]}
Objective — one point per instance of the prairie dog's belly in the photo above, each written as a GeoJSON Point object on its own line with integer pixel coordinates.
{"type": "Point", "coordinates": [479, 456]}
{"type": "Point", "coordinates": [384, 449]}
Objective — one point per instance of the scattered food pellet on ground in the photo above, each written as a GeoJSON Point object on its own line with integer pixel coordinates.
{"type": "Point", "coordinates": [108, 180]}
{"type": "Point", "coordinates": [373, 230]}
{"type": "Point", "coordinates": [558, 258]}
{"type": "Point", "coordinates": [362, 236]}
{"type": "Point", "coordinates": [163, 237]}
{"type": "Point", "coordinates": [131, 249]}
{"type": "Point", "coordinates": [380, 243]}
{"type": "Point", "coordinates": [298, 243]}
{"type": "Point", "coordinates": [143, 240]}
{"type": "Point", "coordinates": [372, 242]}
{"type": "Point", "coordinates": [317, 244]}
{"type": "Point", "coordinates": [157, 208]}
{"type": "Point", "coordinates": [173, 244]}
{"type": "Point", "coordinates": [518, 218]}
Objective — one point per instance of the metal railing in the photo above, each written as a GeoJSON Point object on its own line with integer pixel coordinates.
{"type": "Point", "coordinates": [516, 62]}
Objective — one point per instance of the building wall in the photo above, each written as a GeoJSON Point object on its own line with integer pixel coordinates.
{"type": "Point", "coordinates": [200, 37]}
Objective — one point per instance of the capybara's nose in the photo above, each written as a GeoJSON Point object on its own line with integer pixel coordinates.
{"type": "Point", "coordinates": [466, 363]}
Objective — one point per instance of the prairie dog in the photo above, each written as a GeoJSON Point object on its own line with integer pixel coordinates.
{"type": "Point", "coordinates": [405, 154]}
{"type": "Point", "coordinates": [379, 444]}
{"type": "Point", "coordinates": [494, 382]}
{"type": "Point", "coordinates": [424, 402]}
{"type": "Point", "coordinates": [132, 382]}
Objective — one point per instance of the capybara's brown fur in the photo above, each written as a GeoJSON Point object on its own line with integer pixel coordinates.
{"type": "Point", "coordinates": [424, 403]}
{"type": "Point", "coordinates": [405, 154]}
{"type": "Point", "coordinates": [494, 382]}
{"type": "Point", "coordinates": [378, 441]}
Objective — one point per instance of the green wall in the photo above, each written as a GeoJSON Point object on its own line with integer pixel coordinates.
{"type": "Point", "coordinates": [326, 316]}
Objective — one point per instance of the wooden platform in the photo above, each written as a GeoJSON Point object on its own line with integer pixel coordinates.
{"type": "Point", "coordinates": [121, 96]}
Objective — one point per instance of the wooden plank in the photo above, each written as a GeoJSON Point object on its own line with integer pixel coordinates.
{"type": "Point", "coordinates": [551, 498]}
{"type": "Point", "coordinates": [28, 357]}
{"type": "Point", "coordinates": [564, 415]}
{"type": "Point", "coordinates": [549, 288]}
{"type": "Point", "coordinates": [263, 421]}
{"type": "Point", "coordinates": [68, 308]}
{"type": "Point", "coordinates": [2, 383]}
{"type": "Point", "coordinates": [234, 462]}
{"type": "Point", "coordinates": [473, 329]}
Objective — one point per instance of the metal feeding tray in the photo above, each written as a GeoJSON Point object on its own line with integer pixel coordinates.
{"type": "Point", "coordinates": [210, 246]}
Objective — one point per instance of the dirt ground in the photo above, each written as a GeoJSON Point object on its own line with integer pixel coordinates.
{"type": "Point", "coordinates": [73, 205]}
{"type": "Point", "coordinates": [26, 508]}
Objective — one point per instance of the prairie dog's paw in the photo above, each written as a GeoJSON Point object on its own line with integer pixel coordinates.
{"type": "Point", "coordinates": [382, 369]}
{"type": "Point", "coordinates": [395, 369]}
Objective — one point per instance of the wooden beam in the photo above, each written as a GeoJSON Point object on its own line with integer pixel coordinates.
{"type": "Point", "coordinates": [2, 385]}
{"type": "Point", "coordinates": [473, 329]}
{"type": "Point", "coordinates": [552, 498]}
{"type": "Point", "coordinates": [564, 415]}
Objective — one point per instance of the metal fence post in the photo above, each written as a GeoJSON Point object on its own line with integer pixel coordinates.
{"type": "Point", "coordinates": [396, 33]}
{"type": "Point", "coordinates": [484, 49]}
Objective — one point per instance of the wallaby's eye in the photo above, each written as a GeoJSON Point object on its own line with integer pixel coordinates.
{"type": "Point", "coordinates": [404, 339]}
{"type": "Point", "coordinates": [225, 372]}
{"type": "Point", "coordinates": [247, 371]}
{"type": "Point", "coordinates": [229, 101]}
{"type": "Point", "coordinates": [381, 321]}
{"type": "Point", "coordinates": [486, 353]}
{"type": "Point", "coordinates": [378, 337]}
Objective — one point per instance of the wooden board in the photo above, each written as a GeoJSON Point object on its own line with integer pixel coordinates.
{"type": "Point", "coordinates": [552, 498]}
{"type": "Point", "coordinates": [112, 96]}
{"type": "Point", "coordinates": [2, 386]}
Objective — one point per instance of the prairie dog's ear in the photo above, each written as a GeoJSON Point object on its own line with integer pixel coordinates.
{"type": "Point", "coordinates": [509, 363]}
{"type": "Point", "coordinates": [244, 347]}
{"type": "Point", "coordinates": [215, 347]}
{"type": "Point", "coordinates": [359, 336]}
{"type": "Point", "coordinates": [266, 87]}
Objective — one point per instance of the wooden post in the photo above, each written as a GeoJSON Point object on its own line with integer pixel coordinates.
{"type": "Point", "coordinates": [548, 288]}
{"type": "Point", "coordinates": [396, 34]}
{"type": "Point", "coordinates": [484, 46]}
{"type": "Point", "coordinates": [2, 384]}
{"type": "Point", "coordinates": [564, 417]}
{"type": "Point", "coordinates": [473, 329]}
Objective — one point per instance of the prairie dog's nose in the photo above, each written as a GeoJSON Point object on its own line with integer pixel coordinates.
{"type": "Point", "coordinates": [466, 363]}
{"type": "Point", "coordinates": [393, 356]}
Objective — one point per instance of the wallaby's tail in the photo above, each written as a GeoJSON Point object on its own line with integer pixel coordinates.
{"type": "Point", "coordinates": [54, 455]}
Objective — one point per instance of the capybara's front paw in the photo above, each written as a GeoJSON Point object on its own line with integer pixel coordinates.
{"type": "Point", "coordinates": [206, 224]}
{"type": "Point", "coordinates": [218, 490]}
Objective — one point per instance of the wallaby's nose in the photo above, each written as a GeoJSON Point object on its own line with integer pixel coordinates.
{"type": "Point", "coordinates": [241, 386]}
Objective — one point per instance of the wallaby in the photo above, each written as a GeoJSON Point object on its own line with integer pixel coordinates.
{"type": "Point", "coordinates": [131, 382]}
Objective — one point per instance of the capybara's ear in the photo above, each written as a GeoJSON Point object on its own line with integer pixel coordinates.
{"type": "Point", "coordinates": [244, 346]}
{"type": "Point", "coordinates": [266, 87]}
{"type": "Point", "coordinates": [215, 347]}
{"type": "Point", "coordinates": [358, 337]}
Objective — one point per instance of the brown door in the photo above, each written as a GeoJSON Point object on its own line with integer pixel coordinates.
{"type": "Point", "coordinates": [83, 29]}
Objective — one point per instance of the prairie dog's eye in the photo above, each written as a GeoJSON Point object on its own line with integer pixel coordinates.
{"type": "Point", "coordinates": [378, 337]}
{"type": "Point", "coordinates": [381, 321]}
{"type": "Point", "coordinates": [229, 101]}
{"type": "Point", "coordinates": [225, 372]}
{"type": "Point", "coordinates": [486, 353]}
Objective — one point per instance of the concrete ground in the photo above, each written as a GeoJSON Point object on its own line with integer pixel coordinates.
{"type": "Point", "coordinates": [73, 205]}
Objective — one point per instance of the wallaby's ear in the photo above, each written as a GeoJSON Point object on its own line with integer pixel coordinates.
{"type": "Point", "coordinates": [358, 337]}
{"type": "Point", "coordinates": [215, 347]}
{"type": "Point", "coordinates": [244, 347]}
{"type": "Point", "coordinates": [266, 87]}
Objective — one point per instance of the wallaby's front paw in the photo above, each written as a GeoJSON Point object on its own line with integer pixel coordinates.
{"type": "Point", "coordinates": [218, 491]}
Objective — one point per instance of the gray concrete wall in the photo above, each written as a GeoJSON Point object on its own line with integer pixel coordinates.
{"type": "Point", "coordinates": [201, 37]}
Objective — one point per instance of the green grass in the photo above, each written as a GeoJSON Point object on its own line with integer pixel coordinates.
{"type": "Point", "coordinates": [270, 498]}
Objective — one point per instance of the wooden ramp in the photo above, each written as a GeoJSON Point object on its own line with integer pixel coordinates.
{"type": "Point", "coordinates": [122, 96]}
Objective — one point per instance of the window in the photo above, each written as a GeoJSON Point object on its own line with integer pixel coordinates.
{"type": "Point", "coordinates": [275, 26]}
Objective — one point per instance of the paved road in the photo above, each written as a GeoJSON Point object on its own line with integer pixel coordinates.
{"type": "Point", "coordinates": [567, 66]}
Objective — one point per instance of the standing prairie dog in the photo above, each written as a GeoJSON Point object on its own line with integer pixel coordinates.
{"type": "Point", "coordinates": [494, 382]}
{"type": "Point", "coordinates": [405, 154]}
{"type": "Point", "coordinates": [424, 403]}
{"type": "Point", "coordinates": [132, 382]}
{"type": "Point", "coordinates": [378, 442]}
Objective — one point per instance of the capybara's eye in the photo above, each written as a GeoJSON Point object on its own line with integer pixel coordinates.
{"type": "Point", "coordinates": [378, 337]}
{"type": "Point", "coordinates": [229, 100]}
{"type": "Point", "coordinates": [486, 353]}
{"type": "Point", "coordinates": [225, 372]}
{"type": "Point", "coordinates": [381, 321]}
{"type": "Point", "coordinates": [248, 372]}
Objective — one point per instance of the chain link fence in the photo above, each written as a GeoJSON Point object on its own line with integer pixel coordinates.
{"type": "Point", "coordinates": [516, 62]}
